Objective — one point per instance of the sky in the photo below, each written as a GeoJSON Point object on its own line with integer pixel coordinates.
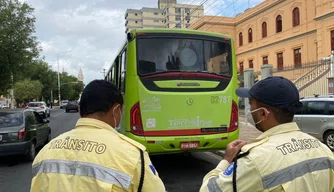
{"type": "Point", "coordinates": [87, 34]}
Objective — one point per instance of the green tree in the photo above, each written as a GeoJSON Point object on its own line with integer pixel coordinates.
{"type": "Point", "coordinates": [41, 71]}
{"type": "Point", "coordinates": [18, 45]}
{"type": "Point", "coordinates": [70, 87]}
{"type": "Point", "coordinates": [27, 90]}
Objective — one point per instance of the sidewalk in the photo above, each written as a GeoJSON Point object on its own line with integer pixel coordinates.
{"type": "Point", "coordinates": [246, 133]}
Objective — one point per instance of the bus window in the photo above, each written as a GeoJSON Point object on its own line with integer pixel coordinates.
{"type": "Point", "coordinates": [179, 54]}
{"type": "Point", "coordinates": [122, 72]}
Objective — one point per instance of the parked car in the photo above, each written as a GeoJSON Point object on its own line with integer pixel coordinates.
{"type": "Point", "coordinates": [317, 118]}
{"type": "Point", "coordinates": [63, 104]}
{"type": "Point", "coordinates": [22, 131]}
{"type": "Point", "coordinates": [72, 105]}
{"type": "Point", "coordinates": [40, 107]}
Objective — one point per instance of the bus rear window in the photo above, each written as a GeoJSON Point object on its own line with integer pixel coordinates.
{"type": "Point", "coordinates": [161, 55]}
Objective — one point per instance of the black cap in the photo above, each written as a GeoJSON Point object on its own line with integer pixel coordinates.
{"type": "Point", "coordinates": [275, 91]}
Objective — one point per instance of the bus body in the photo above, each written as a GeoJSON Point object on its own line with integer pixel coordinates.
{"type": "Point", "coordinates": [178, 88]}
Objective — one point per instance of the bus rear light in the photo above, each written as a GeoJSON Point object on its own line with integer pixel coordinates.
{"type": "Point", "coordinates": [223, 138]}
{"type": "Point", "coordinates": [234, 121]}
{"type": "Point", "coordinates": [136, 122]}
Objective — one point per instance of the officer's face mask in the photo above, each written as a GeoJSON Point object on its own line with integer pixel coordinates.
{"type": "Point", "coordinates": [249, 115]}
{"type": "Point", "coordinates": [117, 125]}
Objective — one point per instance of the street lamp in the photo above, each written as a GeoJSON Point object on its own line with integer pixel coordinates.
{"type": "Point", "coordinates": [59, 98]}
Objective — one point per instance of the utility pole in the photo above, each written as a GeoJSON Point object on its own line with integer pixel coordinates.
{"type": "Point", "coordinates": [12, 92]}
{"type": "Point", "coordinates": [59, 98]}
{"type": "Point", "coordinates": [104, 73]}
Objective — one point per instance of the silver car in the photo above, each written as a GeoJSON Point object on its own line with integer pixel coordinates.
{"type": "Point", "coordinates": [317, 118]}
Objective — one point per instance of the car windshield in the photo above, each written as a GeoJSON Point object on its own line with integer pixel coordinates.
{"type": "Point", "coordinates": [72, 102]}
{"type": "Point", "coordinates": [10, 119]}
{"type": "Point", "coordinates": [34, 104]}
{"type": "Point", "coordinates": [161, 55]}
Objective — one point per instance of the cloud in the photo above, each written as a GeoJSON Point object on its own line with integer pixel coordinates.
{"type": "Point", "coordinates": [92, 30]}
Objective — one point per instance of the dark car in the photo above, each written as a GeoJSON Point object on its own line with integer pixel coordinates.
{"type": "Point", "coordinates": [22, 131]}
{"type": "Point", "coordinates": [72, 105]}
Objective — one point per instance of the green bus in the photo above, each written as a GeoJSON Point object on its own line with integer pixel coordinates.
{"type": "Point", "coordinates": [178, 88]}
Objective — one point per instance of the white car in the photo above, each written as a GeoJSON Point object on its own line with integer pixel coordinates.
{"type": "Point", "coordinates": [40, 107]}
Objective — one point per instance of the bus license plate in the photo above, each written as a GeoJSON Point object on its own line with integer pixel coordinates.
{"type": "Point", "coordinates": [189, 145]}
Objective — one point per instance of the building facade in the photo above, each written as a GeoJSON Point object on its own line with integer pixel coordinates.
{"type": "Point", "coordinates": [169, 14]}
{"type": "Point", "coordinates": [278, 32]}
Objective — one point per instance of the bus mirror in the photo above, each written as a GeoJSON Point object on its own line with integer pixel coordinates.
{"type": "Point", "coordinates": [129, 37]}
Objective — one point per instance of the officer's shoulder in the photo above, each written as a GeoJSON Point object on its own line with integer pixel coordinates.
{"type": "Point", "coordinates": [253, 145]}
{"type": "Point", "coordinates": [132, 142]}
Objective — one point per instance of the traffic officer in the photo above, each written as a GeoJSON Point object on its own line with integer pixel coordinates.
{"type": "Point", "coordinates": [282, 158]}
{"type": "Point", "coordinates": [94, 156]}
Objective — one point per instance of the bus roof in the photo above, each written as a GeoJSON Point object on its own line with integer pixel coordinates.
{"type": "Point", "coordinates": [182, 31]}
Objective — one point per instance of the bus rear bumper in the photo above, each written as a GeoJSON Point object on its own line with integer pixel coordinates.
{"type": "Point", "coordinates": [172, 144]}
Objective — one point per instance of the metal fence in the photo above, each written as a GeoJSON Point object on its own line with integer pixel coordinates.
{"type": "Point", "coordinates": [310, 78]}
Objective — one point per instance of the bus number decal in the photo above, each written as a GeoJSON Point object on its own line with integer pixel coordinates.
{"type": "Point", "coordinates": [220, 99]}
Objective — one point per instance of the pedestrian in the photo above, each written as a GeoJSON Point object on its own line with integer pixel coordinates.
{"type": "Point", "coordinates": [94, 156]}
{"type": "Point", "coordinates": [282, 158]}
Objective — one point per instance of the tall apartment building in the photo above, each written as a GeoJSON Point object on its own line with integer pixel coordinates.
{"type": "Point", "coordinates": [169, 14]}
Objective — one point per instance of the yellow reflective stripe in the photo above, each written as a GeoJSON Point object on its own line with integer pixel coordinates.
{"type": "Point", "coordinates": [86, 169]}
{"type": "Point", "coordinates": [297, 170]}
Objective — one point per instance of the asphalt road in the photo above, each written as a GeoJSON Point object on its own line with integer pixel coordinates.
{"type": "Point", "coordinates": [180, 173]}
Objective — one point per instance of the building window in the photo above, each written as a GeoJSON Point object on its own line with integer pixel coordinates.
{"type": "Point", "coordinates": [241, 67]}
{"type": "Point", "coordinates": [136, 14]}
{"type": "Point", "coordinates": [240, 39]}
{"type": "Point", "coordinates": [178, 25]}
{"type": "Point", "coordinates": [187, 25]}
{"type": "Point", "coordinates": [177, 18]}
{"type": "Point", "coordinates": [295, 17]}
{"type": "Point", "coordinates": [155, 13]}
{"type": "Point", "coordinates": [136, 21]}
{"type": "Point", "coordinates": [297, 57]}
{"type": "Point", "coordinates": [279, 27]}
{"type": "Point", "coordinates": [250, 64]}
{"type": "Point", "coordinates": [156, 21]}
{"type": "Point", "coordinates": [187, 10]}
{"type": "Point", "coordinates": [264, 29]}
{"type": "Point", "coordinates": [332, 39]}
{"type": "Point", "coordinates": [265, 60]}
{"type": "Point", "coordinates": [280, 61]}
{"type": "Point", "coordinates": [177, 10]}
{"type": "Point", "coordinates": [250, 35]}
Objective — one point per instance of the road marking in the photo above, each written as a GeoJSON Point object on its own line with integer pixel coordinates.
{"type": "Point", "coordinates": [59, 114]}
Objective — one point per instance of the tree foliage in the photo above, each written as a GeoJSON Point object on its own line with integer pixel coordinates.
{"type": "Point", "coordinates": [19, 50]}
{"type": "Point", "coordinates": [18, 45]}
{"type": "Point", "coordinates": [27, 90]}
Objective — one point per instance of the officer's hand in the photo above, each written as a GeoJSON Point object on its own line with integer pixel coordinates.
{"type": "Point", "coordinates": [232, 149]}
